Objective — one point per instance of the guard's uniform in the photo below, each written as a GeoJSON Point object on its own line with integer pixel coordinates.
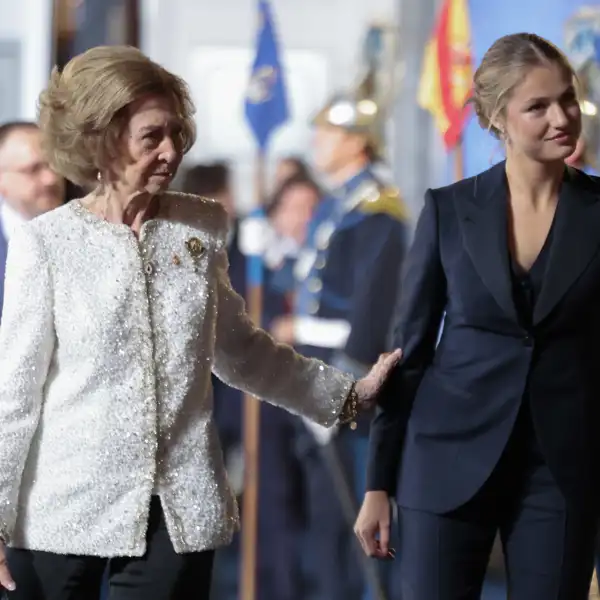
{"type": "Point", "coordinates": [347, 284]}
{"type": "Point", "coordinates": [348, 274]}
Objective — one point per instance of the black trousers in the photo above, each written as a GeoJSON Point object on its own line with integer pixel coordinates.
{"type": "Point", "coordinates": [548, 545]}
{"type": "Point", "coordinates": [160, 574]}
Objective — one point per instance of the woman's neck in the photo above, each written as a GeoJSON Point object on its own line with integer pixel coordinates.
{"type": "Point", "coordinates": [533, 183]}
{"type": "Point", "coordinates": [123, 209]}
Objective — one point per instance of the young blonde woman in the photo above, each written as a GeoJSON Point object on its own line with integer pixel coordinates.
{"type": "Point", "coordinates": [495, 429]}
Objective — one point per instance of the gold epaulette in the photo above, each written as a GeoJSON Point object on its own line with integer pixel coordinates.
{"type": "Point", "coordinates": [386, 200]}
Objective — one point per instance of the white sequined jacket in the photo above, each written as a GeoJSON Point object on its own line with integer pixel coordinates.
{"type": "Point", "coordinates": [107, 344]}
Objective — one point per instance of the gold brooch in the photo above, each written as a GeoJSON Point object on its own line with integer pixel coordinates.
{"type": "Point", "coordinates": [194, 247]}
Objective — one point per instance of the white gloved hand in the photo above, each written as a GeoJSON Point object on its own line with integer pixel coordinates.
{"type": "Point", "coordinates": [321, 434]}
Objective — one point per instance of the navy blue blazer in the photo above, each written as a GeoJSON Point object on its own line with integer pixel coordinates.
{"type": "Point", "coordinates": [446, 413]}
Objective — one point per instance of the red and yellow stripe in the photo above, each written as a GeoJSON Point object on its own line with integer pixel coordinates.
{"type": "Point", "coordinates": [447, 75]}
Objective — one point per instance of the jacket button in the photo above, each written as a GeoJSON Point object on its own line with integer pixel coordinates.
{"type": "Point", "coordinates": [528, 341]}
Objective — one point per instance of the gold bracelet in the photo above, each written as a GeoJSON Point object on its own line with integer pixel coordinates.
{"type": "Point", "coordinates": [350, 409]}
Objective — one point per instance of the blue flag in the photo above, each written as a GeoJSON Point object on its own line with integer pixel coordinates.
{"type": "Point", "coordinates": [266, 100]}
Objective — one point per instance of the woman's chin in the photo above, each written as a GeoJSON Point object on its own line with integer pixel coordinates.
{"type": "Point", "coordinates": [157, 185]}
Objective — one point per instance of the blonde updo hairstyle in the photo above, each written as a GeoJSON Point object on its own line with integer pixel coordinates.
{"type": "Point", "coordinates": [505, 66]}
{"type": "Point", "coordinates": [83, 111]}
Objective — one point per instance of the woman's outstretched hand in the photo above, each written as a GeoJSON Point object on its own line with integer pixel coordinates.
{"type": "Point", "coordinates": [369, 386]}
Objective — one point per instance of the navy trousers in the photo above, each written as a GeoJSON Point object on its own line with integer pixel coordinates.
{"type": "Point", "coordinates": [548, 545]}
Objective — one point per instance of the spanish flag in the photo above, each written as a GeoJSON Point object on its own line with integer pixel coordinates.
{"type": "Point", "coordinates": [446, 79]}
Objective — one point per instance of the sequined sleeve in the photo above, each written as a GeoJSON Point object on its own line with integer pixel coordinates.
{"type": "Point", "coordinates": [248, 358]}
{"type": "Point", "coordinates": [26, 346]}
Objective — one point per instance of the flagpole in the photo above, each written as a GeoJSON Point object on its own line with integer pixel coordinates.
{"type": "Point", "coordinates": [251, 429]}
{"type": "Point", "coordinates": [459, 160]}
{"type": "Point", "coordinates": [266, 110]}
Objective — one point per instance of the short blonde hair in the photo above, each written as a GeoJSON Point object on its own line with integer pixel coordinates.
{"type": "Point", "coordinates": [503, 67]}
{"type": "Point", "coordinates": [83, 111]}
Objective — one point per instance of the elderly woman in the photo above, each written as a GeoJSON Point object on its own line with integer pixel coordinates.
{"type": "Point", "coordinates": [118, 306]}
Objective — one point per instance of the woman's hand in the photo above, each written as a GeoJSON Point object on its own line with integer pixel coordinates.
{"type": "Point", "coordinates": [372, 526]}
{"type": "Point", "coordinates": [6, 580]}
{"type": "Point", "coordinates": [369, 386]}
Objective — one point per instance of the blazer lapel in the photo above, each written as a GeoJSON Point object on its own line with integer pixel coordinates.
{"type": "Point", "coordinates": [484, 225]}
{"type": "Point", "coordinates": [575, 242]}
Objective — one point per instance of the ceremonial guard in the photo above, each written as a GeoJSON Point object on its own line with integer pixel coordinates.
{"type": "Point", "coordinates": [347, 278]}
{"type": "Point", "coordinates": [582, 41]}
